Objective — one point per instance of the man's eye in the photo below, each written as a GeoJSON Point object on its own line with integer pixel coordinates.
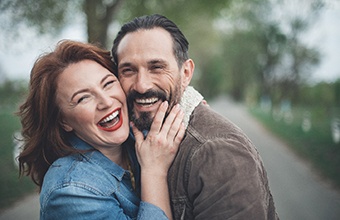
{"type": "Point", "coordinates": [157, 67]}
{"type": "Point", "coordinates": [126, 71]}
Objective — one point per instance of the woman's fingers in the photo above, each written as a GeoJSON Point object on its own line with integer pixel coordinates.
{"type": "Point", "coordinates": [158, 119]}
{"type": "Point", "coordinates": [170, 128]}
{"type": "Point", "coordinates": [170, 120]}
{"type": "Point", "coordinates": [173, 123]}
{"type": "Point", "coordinates": [137, 133]}
{"type": "Point", "coordinates": [157, 151]}
{"type": "Point", "coordinates": [180, 135]}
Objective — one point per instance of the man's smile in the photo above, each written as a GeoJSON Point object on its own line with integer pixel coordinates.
{"type": "Point", "coordinates": [147, 101]}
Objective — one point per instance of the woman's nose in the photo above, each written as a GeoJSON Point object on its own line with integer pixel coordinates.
{"type": "Point", "coordinates": [104, 101]}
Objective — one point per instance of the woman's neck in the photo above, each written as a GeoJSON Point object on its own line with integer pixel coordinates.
{"type": "Point", "coordinates": [116, 155]}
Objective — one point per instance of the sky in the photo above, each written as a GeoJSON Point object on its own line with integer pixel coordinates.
{"type": "Point", "coordinates": [17, 59]}
{"type": "Point", "coordinates": [325, 35]}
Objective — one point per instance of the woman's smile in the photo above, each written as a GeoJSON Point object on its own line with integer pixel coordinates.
{"type": "Point", "coordinates": [111, 122]}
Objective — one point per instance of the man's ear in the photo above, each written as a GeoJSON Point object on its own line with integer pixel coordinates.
{"type": "Point", "coordinates": [65, 126]}
{"type": "Point", "coordinates": [188, 70]}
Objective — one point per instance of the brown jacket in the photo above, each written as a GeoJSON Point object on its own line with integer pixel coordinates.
{"type": "Point", "coordinates": [218, 173]}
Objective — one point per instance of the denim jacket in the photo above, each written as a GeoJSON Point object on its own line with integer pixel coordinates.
{"type": "Point", "coordinates": [90, 186]}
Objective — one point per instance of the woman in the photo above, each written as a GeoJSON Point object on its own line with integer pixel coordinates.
{"type": "Point", "coordinates": [75, 129]}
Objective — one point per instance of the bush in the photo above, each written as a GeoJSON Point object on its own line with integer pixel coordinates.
{"type": "Point", "coordinates": [314, 144]}
{"type": "Point", "coordinates": [12, 188]}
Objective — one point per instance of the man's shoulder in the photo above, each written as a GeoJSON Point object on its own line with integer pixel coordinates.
{"type": "Point", "coordinates": [208, 130]}
{"type": "Point", "coordinates": [208, 123]}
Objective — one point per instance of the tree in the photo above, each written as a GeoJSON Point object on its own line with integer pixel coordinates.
{"type": "Point", "coordinates": [11, 93]}
{"type": "Point", "coordinates": [50, 16]}
{"type": "Point", "coordinates": [262, 46]}
{"type": "Point", "coordinates": [99, 16]}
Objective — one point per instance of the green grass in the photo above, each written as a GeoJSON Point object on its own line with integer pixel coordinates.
{"type": "Point", "coordinates": [12, 187]}
{"type": "Point", "coordinates": [316, 145]}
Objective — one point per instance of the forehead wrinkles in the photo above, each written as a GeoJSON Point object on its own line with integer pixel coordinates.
{"type": "Point", "coordinates": [157, 42]}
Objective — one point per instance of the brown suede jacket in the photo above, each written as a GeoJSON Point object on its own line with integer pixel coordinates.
{"type": "Point", "coordinates": [218, 173]}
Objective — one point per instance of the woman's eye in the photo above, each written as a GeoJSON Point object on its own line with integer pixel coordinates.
{"type": "Point", "coordinates": [109, 83]}
{"type": "Point", "coordinates": [82, 99]}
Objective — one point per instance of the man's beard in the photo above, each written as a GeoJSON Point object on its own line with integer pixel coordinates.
{"type": "Point", "coordinates": [145, 119]}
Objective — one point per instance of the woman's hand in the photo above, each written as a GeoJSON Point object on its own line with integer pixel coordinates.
{"type": "Point", "coordinates": [157, 151]}
{"type": "Point", "coordinates": [155, 154]}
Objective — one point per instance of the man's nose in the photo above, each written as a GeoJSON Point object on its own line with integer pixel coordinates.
{"type": "Point", "coordinates": [143, 82]}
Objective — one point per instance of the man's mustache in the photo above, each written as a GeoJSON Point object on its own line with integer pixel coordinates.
{"type": "Point", "coordinates": [148, 94]}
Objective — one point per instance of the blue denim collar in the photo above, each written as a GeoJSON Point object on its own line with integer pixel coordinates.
{"type": "Point", "coordinates": [95, 156]}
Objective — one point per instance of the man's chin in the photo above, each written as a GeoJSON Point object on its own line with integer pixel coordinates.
{"type": "Point", "coordinates": [143, 122]}
{"type": "Point", "coordinates": [142, 125]}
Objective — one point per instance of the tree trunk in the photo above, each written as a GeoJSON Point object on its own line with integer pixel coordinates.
{"type": "Point", "coordinates": [99, 15]}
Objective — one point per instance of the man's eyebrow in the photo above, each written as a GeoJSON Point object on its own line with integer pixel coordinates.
{"type": "Point", "coordinates": [122, 65]}
{"type": "Point", "coordinates": [151, 62]}
{"type": "Point", "coordinates": [157, 61]}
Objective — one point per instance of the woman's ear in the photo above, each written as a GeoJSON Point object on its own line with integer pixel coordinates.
{"type": "Point", "coordinates": [65, 126]}
{"type": "Point", "coordinates": [188, 71]}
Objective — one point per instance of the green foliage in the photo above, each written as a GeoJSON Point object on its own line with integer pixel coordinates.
{"type": "Point", "coordinates": [240, 52]}
{"type": "Point", "coordinates": [315, 145]}
{"type": "Point", "coordinates": [337, 92]}
{"type": "Point", "coordinates": [11, 93]}
{"type": "Point", "coordinates": [321, 94]}
{"type": "Point", "coordinates": [210, 78]}
{"type": "Point", "coordinates": [50, 16]}
{"type": "Point", "coordinates": [12, 188]}
{"type": "Point", "coordinates": [44, 15]}
{"type": "Point", "coordinates": [178, 10]}
{"type": "Point", "coordinates": [257, 49]}
{"type": "Point", "coordinates": [247, 34]}
{"type": "Point", "coordinates": [239, 47]}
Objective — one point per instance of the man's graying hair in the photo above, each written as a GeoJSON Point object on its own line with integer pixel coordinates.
{"type": "Point", "coordinates": [148, 22]}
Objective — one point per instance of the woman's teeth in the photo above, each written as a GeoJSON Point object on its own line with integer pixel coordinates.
{"type": "Point", "coordinates": [110, 117]}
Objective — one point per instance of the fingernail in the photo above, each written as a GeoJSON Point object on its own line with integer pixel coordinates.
{"type": "Point", "coordinates": [165, 104]}
{"type": "Point", "coordinates": [182, 112]}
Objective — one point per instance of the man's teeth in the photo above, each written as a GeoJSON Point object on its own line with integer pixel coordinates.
{"type": "Point", "coordinates": [147, 101]}
{"type": "Point", "coordinates": [110, 117]}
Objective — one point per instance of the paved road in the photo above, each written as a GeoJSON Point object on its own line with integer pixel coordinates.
{"type": "Point", "coordinates": [298, 192]}
{"type": "Point", "coordinates": [26, 209]}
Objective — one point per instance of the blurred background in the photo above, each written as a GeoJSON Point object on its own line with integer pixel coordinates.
{"type": "Point", "coordinates": [279, 58]}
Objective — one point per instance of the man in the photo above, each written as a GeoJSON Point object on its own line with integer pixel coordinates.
{"type": "Point", "coordinates": [217, 173]}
